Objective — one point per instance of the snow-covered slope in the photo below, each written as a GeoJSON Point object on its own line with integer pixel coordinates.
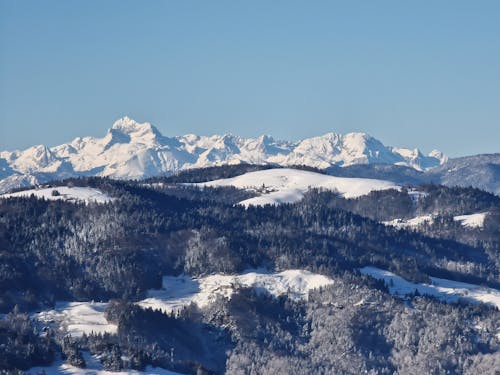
{"type": "Point", "coordinates": [181, 291]}
{"type": "Point", "coordinates": [65, 193]}
{"type": "Point", "coordinates": [285, 185]}
{"type": "Point", "coordinates": [410, 223]}
{"type": "Point", "coordinates": [443, 289]}
{"type": "Point", "coordinates": [472, 221]}
{"type": "Point", "coordinates": [479, 171]}
{"type": "Point", "coordinates": [138, 150]}
{"type": "Point", "coordinates": [469, 221]}
{"type": "Point", "coordinates": [77, 318]}
{"type": "Point", "coordinates": [93, 367]}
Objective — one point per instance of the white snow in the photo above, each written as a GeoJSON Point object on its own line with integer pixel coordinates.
{"type": "Point", "coordinates": [473, 220]}
{"type": "Point", "coordinates": [94, 367]}
{"type": "Point", "coordinates": [410, 223]}
{"type": "Point", "coordinates": [66, 193]}
{"type": "Point", "coordinates": [181, 291]}
{"type": "Point", "coordinates": [469, 221]}
{"type": "Point", "coordinates": [443, 289]}
{"type": "Point", "coordinates": [77, 318]}
{"type": "Point", "coordinates": [285, 185]}
{"type": "Point", "coordinates": [133, 150]}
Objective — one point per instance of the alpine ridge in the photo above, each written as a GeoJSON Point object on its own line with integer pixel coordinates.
{"type": "Point", "coordinates": [133, 150]}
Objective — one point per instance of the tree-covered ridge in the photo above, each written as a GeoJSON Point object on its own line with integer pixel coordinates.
{"type": "Point", "coordinates": [55, 250]}
{"type": "Point", "coordinates": [87, 251]}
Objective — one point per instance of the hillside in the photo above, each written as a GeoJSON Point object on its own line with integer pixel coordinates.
{"type": "Point", "coordinates": [179, 277]}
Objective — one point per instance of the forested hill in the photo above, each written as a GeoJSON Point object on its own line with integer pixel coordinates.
{"type": "Point", "coordinates": [118, 249]}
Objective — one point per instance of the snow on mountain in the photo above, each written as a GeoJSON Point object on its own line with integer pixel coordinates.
{"type": "Point", "coordinates": [177, 292]}
{"type": "Point", "coordinates": [183, 290]}
{"type": "Point", "coordinates": [469, 221]}
{"type": "Point", "coordinates": [77, 318]}
{"type": "Point", "coordinates": [132, 150]}
{"type": "Point", "coordinates": [65, 193]}
{"type": "Point", "coordinates": [410, 223]}
{"type": "Point", "coordinates": [443, 289]}
{"type": "Point", "coordinates": [93, 366]}
{"type": "Point", "coordinates": [415, 159]}
{"type": "Point", "coordinates": [336, 149]}
{"type": "Point", "coordinates": [284, 185]}
{"type": "Point", "coordinates": [480, 171]}
{"type": "Point", "coordinates": [472, 221]}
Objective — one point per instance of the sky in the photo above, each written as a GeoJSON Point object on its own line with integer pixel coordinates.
{"type": "Point", "coordinates": [410, 73]}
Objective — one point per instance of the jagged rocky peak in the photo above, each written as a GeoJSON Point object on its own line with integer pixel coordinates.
{"type": "Point", "coordinates": [126, 127]}
{"type": "Point", "coordinates": [267, 143]}
{"type": "Point", "coordinates": [438, 155]}
{"type": "Point", "coordinates": [265, 138]}
{"type": "Point", "coordinates": [323, 143]}
{"type": "Point", "coordinates": [37, 156]}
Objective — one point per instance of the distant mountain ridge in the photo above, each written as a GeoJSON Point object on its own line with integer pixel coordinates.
{"type": "Point", "coordinates": [132, 150]}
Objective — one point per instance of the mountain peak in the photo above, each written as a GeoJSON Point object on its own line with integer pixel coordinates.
{"type": "Point", "coordinates": [128, 126]}
{"type": "Point", "coordinates": [126, 130]}
{"type": "Point", "coordinates": [266, 138]}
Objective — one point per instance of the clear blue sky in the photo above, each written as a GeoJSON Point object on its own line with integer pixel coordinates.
{"type": "Point", "coordinates": [411, 73]}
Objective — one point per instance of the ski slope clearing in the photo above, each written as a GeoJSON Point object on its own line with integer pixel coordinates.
{"type": "Point", "coordinates": [285, 185]}
{"type": "Point", "coordinates": [180, 291]}
{"type": "Point", "coordinates": [472, 221]}
{"type": "Point", "coordinates": [77, 318]}
{"type": "Point", "coordinates": [94, 367]}
{"type": "Point", "coordinates": [443, 289]}
{"type": "Point", "coordinates": [64, 193]}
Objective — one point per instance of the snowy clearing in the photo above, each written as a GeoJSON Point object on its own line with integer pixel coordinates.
{"type": "Point", "coordinates": [64, 193]}
{"type": "Point", "coordinates": [77, 318]}
{"type": "Point", "coordinates": [285, 185]}
{"type": "Point", "coordinates": [94, 367]}
{"type": "Point", "coordinates": [182, 290]}
{"type": "Point", "coordinates": [443, 289]}
{"type": "Point", "coordinates": [469, 221]}
{"type": "Point", "coordinates": [472, 221]}
{"type": "Point", "coordinates": [410, 223]}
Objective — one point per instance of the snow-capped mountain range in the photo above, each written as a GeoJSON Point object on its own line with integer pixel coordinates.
{"type": "Point", "coordinates": [132, 150]}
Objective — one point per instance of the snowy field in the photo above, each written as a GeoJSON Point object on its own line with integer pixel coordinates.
{"type": "Point", "coordinates": [94, 367]}
{"type": "Point", "coordinates": [65, 193]}
{"type": "Point", "coordinates": [77, 318]}
{"type": "Point", "coordinates": [443, 289]}
{"type": "Point", "coordinates": [285, 185]}
{"type": "Point", "coordinates": [468, 221]}
{"type": "Point", "coordinates": [472, 221]}
{"type": "Point", "coordinates": [410, 223]}
{"type": "Point", "coordinates": [181, 291]}
{"type": "Point", "coordinates": [177, 292]}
